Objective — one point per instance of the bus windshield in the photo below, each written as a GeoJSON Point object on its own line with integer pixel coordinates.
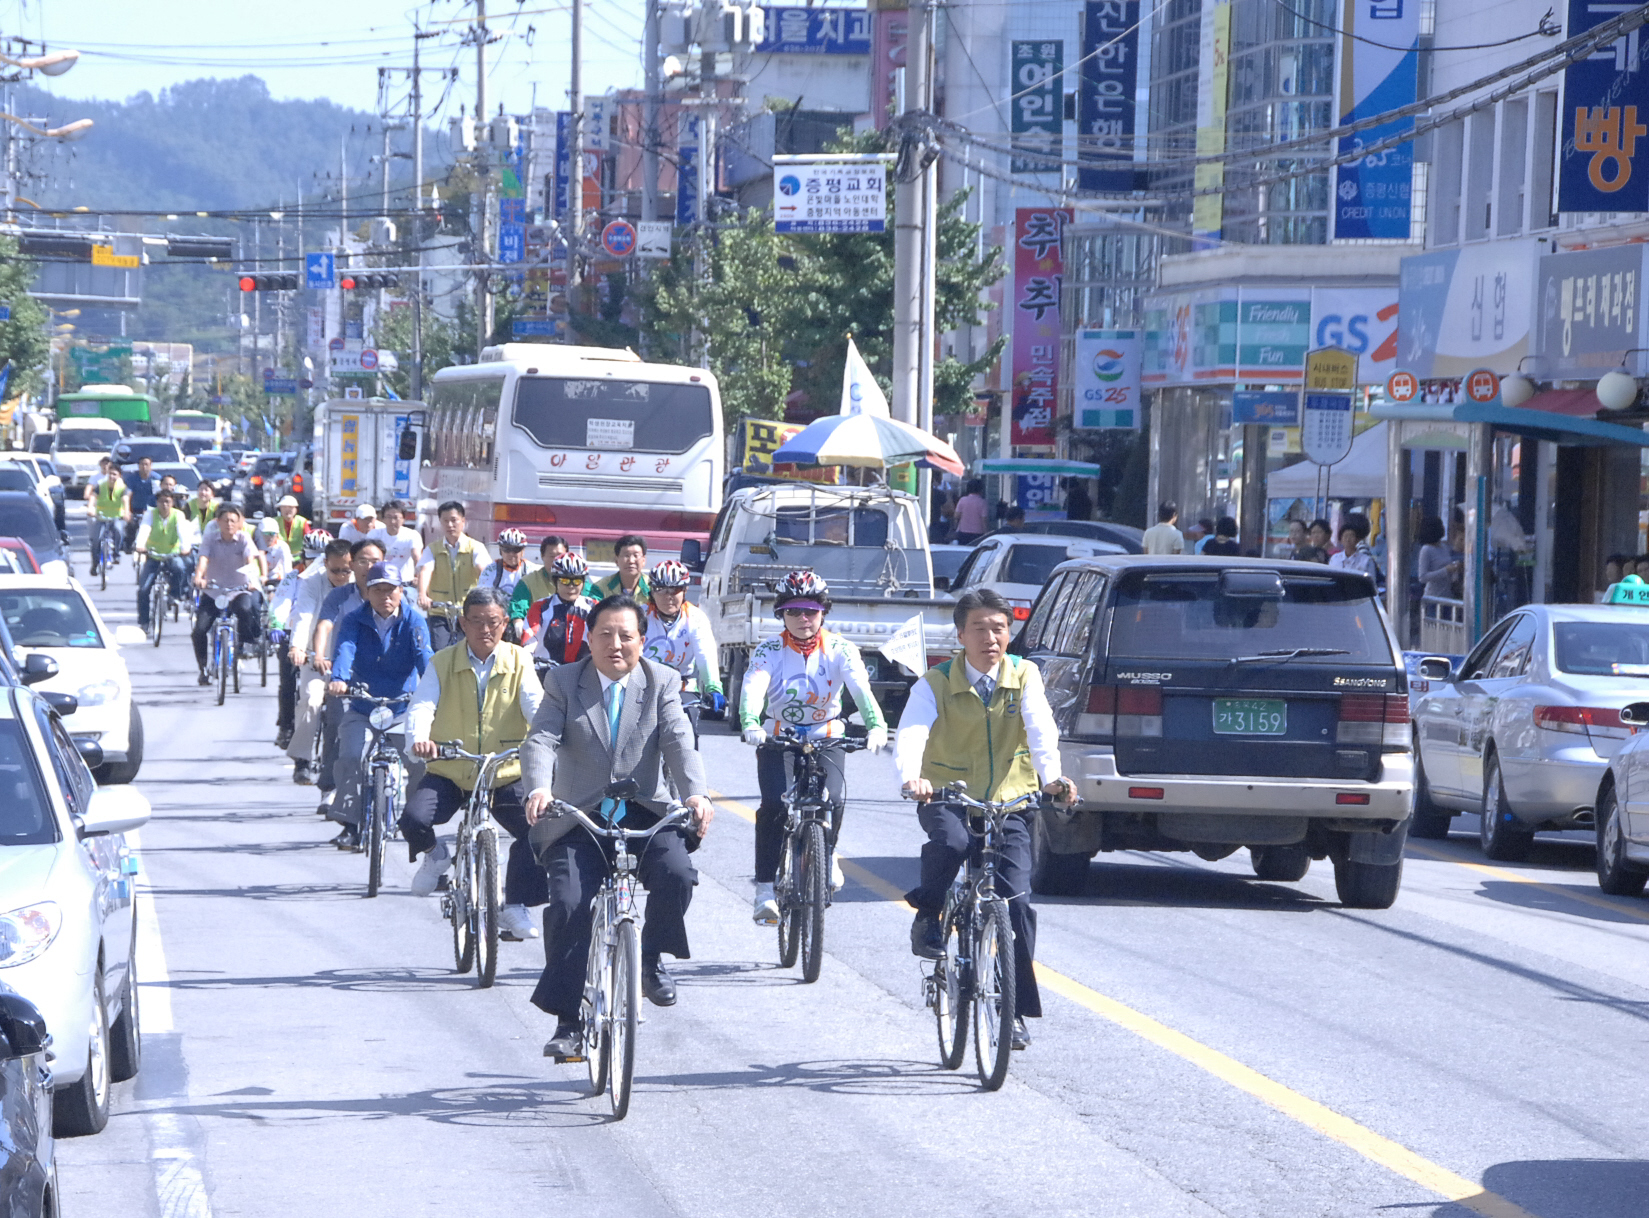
{"type": "Point", "coordinates": [608, 413]}
{"type": "Point", "coordinates": [85, 440]}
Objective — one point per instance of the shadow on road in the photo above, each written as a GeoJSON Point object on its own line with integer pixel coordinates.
{"type": "Point", "coordinates": [399, 980]}
{"type": "Point", "coordinates": [563, 1105]}
{"type": "Point", "coordinates": [1179, 885]}
{"type": "Point", "coordinates": [734, 973]}
{"type": "Point", "coordinates": [1555, 898]}
{"type": "Point", "coordinates": [861, 1076]}
{"type": "Point", "coordinates": [1567, 1188]}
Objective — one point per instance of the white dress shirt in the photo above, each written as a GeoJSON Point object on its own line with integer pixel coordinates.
{"type": "Point", "coordinates": [1041, 732]}
{"type": "Point", "coordinates": [421, 711]}
{"type": "Point", "coordinates": [313, 585]}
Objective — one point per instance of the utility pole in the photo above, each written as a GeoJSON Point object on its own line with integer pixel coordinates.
{"type": "Point", "coordinates": [483, 161]}
{"type": "Point", "coordinates": [912, 245]}
{"type": "Point", "coordinates": [416, 382]}
{"type": "Point", "coordinates": [649, 130]}
{"type": "Point", "coordinates": [575, 168]}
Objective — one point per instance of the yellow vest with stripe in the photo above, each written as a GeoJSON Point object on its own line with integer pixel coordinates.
{"type": "Point", "coordinates": [293, 535]}
{"type": "Point", "coordinates": [983, 746]}
{"type": "Point", "coordinates": [111, 492]}
{"type": "Point", "coordinates": [481, 726]}
{"type": "Point", "coordinates": [163, 535]}
{"type": "Point", "coordinates": [447, 584]}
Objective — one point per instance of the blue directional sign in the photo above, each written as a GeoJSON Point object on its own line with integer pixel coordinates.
{"type": "Point", "coordinates": [5, 312]}
{"type": "Point", "coordinates": [319, 271]}
{"type": "Point", "coordinates": [280, 385]}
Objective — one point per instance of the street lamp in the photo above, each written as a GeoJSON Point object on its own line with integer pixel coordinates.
{"type": "Point", "coordinates": [69, 131]}
{"type": "Point", "coordinates": [53, 63]}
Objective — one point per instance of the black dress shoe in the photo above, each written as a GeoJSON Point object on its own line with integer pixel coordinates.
{"type": "Point", "coordinates": [349, 839]}
{"type": "Point", "coordinates": [567, 1045]}
{"type": "Point", "coordinates": [283, 737]}
{"type": "Point", "coordinates": [927, 940]}
{"type": "Point", "coordinates": [1021, 1038]}
{"type": "Point", "coordinates": [656, 983]}
{"type": "Point", "coordinates": [204, 679]}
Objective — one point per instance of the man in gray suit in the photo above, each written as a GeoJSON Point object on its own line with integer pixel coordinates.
{"type": "Point", "coordinates": [610, 717]}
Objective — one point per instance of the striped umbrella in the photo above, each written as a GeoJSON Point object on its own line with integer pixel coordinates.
{"type": "Point", "coordinates": [867, 440]}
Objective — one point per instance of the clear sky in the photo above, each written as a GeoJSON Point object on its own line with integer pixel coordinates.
{"type": "Point", "coordinates": [328, 49]}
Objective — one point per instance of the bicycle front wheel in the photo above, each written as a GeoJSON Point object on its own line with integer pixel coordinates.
{"type": "Point", "coordinates": [948, 995]}
{"type": "Point", "coordinates": [815, 893]}
{"type": "Point", "coordinates": [458, 888]}
{"type": "Point", "coordinates": [376, 812]}
{"type": "Point", "coordinates": [785, 890]}
{"type": "Point", "coordinates": [263, 658]}
{"type": "Point", "coordinates": [485, 905]}
{"type": "Point", "coordinates": [223, 667]}
{"type": "Point", "coordinates": [993, 994]}
{"type": "Point", "coordinates": [626, 991]}
{"type": "Point", "coordinates": [234, 656]}
{"type": "Point", "coordinates": [157, 606]}
{"type": "Point", "coordinates": [598, 1002]}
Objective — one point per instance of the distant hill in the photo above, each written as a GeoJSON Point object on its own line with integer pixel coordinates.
{"type": "Point", "coordinates": [201, 145]}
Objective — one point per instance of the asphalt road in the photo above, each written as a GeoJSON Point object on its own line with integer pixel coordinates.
{"type": "Point", "coordinates": [1213, 1045]}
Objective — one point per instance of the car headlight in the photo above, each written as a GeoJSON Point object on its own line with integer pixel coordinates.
{"type": "Point", "coordinates": [26, 932]}
{"type": "Point", "coordinates": [98, 693]}
{"type": "Point", "coordinates": [381, 717]}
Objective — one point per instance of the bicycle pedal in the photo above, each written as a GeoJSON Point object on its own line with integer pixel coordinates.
{"type": "Point", "coordinates": [570, 1061]}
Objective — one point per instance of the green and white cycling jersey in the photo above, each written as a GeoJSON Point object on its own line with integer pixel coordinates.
{"type": "Point", "coordinates": [790, 684]}
{"type": "Point", "coordinates": [686, 645]}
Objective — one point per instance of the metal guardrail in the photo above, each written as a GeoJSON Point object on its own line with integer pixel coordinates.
{"type": "Point", "coordinates": [1443, 626]}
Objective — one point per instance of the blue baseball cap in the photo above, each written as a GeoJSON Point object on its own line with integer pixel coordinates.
{"type": "Point", "coordinates": [382, 573]}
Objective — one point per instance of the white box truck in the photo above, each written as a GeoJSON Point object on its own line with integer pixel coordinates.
{"type": "Point", "coordinates": [358, 456]}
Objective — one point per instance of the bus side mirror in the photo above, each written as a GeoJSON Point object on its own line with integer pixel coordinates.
{"type": "Point", "coordinates": [409, 446]}
{"type": "Point", "coordinates": [692, 554]}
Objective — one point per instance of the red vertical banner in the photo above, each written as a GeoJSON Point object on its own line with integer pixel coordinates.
{"type": "Point", "coordinates": [887, 58]}
{"type": "Point", "coordinates": [1038, 274]}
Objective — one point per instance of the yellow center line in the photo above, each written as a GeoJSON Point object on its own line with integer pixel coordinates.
{"type": "Point", "coordinates": [1290, 1103]}
{"type": "Point", "coordinates": [1500, 873]}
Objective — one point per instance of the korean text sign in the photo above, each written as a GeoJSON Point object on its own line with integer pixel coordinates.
{"type": "Point", "coordinates": [1380, 53]}
{"type": "Point", "coordinates": [1604, 124]}
{"type": "Point", "coordinates": [1590, 306]}
{"type": "Point", "coordinates": [816, 31]}
{"type": "Point", "coordinates": [817, 196]}
{"type": "Point", "coordinates": [1038, 275]}
{"type": "Point", "coordinates": [1038, 105]}
{"type": "Point", "coordinates": [1105, 103]}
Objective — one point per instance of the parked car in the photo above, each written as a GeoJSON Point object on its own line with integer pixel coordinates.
{"type": "Point", "coordinates": [65, 881]}
{"type": "Point", "coordinates": [79, 445]}
{"type": "Point", "coordinates": [218, 468]}
{"type": "Point", "coordinates": [56, 618]}
{"type": "Point", "coordinates": [1016, 565]}
{"type": "Point", "coordinates": [48, 479]}
{"type": "Point", "coordinates": [947, 561]}
{"type": "Point", "coordinates": [1126, 536]}
{"type": "Point", "coordinates": [134, 448]}
{"type": "Point", "coordinates": [15, 476]}
{"type": "Point", "coordinates": [1211, 704]}
{"type": "Point", "coordinates": [24, 516]}
{"type": "Point", "coordinates": [16, 558]}
{"type": "Point", "coordinates": [41, 442]}
{"type": "Point", "coordinates": [1523, 729]}
{"type": "Point", "coordinates": [28, 1149]}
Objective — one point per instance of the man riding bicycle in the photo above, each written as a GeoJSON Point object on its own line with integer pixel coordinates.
{"type": "Point", "coordinates": [140, 497]}
{"type": "Point", "coordinates": [611, 717]}
{"type": "Point", "coordinates": [229, 564]}
{"type": "Point", "coordinates": [383, 645]}
{"type": "Point", "coordinates": [318, 580]}
{"type": "Point", "coordinates": [482, 693]}
{"type": "Point", "coordinates": [679, 637]}
{"type": "Point", "coordinates": [106, 492]}
{"type": "Point", "coordinates": [203, 508]}
{"type": "Point", "coordinates": [164, 541]}
{"type": "Point", "coordinates": [450, 567]}
{"type": "Point", "coordinates": [981, 717]}
{"type": "Point", "coordinates": [555, 626]}
{"type": "Point", "coordinates": [795, 682]}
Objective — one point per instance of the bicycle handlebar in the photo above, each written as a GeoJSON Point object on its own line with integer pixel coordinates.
{"type": "Point", "coordinates": [790, 742]}
{"type": "Point", "coordinates": [680, 813]}
{"type": "Point", "coordinates": [362, 694]}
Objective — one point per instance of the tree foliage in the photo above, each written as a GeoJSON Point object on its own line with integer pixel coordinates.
{"type": "Point", "coordinates": [23, 337]}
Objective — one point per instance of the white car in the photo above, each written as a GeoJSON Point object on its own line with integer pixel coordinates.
{"type": "Point", "coordinates": [67, 918]}
{"type": "Point", "coordinates": [56, 618]}
{"type": "Point", "coordinates": [1016, 565]}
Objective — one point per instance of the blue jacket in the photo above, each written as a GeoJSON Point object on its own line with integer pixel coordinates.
{"type": "Point", "coordinates": [390, 669]}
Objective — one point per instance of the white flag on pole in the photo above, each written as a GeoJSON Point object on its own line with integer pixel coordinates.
{"type": "Point", "coordinates": [907, 646]}
{"type": "Point", "coordinates": [860, 392]}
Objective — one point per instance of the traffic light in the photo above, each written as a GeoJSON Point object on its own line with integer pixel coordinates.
{"type": "Point", "coordinates": [269, 283]}
{"type": "Point", "coordinates": [368, 282]}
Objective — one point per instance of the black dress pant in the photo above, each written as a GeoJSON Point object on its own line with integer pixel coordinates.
{"type": "Point", "coordinates": [947, 846]}
{"type": "Point", "coordinates": [243, 605]}
{"type": "Point", "coordinates": [437, 799]}
{"type": "Point", "coordinates": [576, 866]}
{"type": "Point", "coordinates": [286, 703]}
{"type": "Point", "coordinates": [773, 768]}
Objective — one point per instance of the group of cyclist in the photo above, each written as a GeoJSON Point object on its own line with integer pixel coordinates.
{"type": "Point", "coordinates": [468, 645]}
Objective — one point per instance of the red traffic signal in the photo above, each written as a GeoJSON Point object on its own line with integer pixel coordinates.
{"type": "Point", "coordinates": [269, 283]}
{"type": "Point", "coordinates": [347, 283]}
{"type": "Point", "coordinates": [368, 281]}
{"type": "Point", "coordinates": [248, 284]}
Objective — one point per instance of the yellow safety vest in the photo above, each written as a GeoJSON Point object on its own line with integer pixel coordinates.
{"type": "Point", "coordinates": [163, 536]}
{"type": "Point", "coordinates": [488, 725]}
{"type": "Point", "coordinates": [983, 746]}
{"type": "Point", "coordinates": [293, 535]}
{"type": "Point", "coordinates": [447, 584]}
{"type": "Point", "coordinates": [111, 493]}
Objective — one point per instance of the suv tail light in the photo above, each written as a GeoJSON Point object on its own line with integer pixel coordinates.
{"type": "Point", "coordinates": [1597, 722]}
{"type": "Point", "coordinates": [1122, 710]}
{"type": "Point", "coordinates": [1377, 719]}
{"type": "Point", "coordinates": [1021, 610]}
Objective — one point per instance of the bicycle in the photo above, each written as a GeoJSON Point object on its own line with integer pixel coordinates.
{"type": "Point", "coordinates": [386, 786]}
{"type": "Point", "coordinates": [161, 601]}
{"type": "Point", "coordinates": [976, 970]}
{"type": "Point", "coordinates": [472, 900]}
{"type": "Point", "coordinates": [270, 638]}
{"type": "Point", "coordinates": [447, 612]}
{"type": "Point", "coordinates": [223, 659]}
{"type": "Point", "coordinates": [802, 884]}
{"type": "Point", "coordinates": [104, 550]}
{"type": "Point", "coordinates": [611, 1008]}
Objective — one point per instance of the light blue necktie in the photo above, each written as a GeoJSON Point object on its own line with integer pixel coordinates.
{"type": "Point", "coordinates": [615, 704]}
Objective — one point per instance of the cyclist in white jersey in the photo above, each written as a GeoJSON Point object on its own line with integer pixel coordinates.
{"type": "Point", "coordinates": [796, 682]}
{"type": "Point", "coordinates": [679, 637]}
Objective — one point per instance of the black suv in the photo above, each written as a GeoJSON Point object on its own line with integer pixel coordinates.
{"type": "Point", "coordinates": [1207, 704]}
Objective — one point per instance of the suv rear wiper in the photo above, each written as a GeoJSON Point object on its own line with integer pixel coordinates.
{"type": "Point", "coordinates": [1284, 656]}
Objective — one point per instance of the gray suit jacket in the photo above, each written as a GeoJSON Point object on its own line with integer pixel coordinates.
{"type": "Point", "coordinates": [568, 747]}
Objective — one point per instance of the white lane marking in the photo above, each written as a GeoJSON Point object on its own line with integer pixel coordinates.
{"type": "Point", "coordinates": [151, 954]}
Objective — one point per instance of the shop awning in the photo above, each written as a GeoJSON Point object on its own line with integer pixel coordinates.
{"type": "Point", "coordinates": [1580, 403]}
{"type": "Point", "coordinates": [1362, 475]}
{"type": "Point", "coordinates": [1037, 465]}
{"type": "Point", "coordinates": [1537, 424]}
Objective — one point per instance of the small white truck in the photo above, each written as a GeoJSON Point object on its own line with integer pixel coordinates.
{"type": "Point", "coordinates": [867, 543]}
{"type": "Point", "coordinates": [358, 456]}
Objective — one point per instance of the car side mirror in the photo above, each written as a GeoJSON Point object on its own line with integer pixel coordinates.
{"type": "Point", "coordinates": [22, 1028]}
{"type": "Point", "coordinates": [38, 668]}
{"type": "Point", "coordinates": [408, 450]}
{"type": "Point", "coordinates": [117, 809]}
{"type": "Point", "coordinates": [63, 704]}
{"type": "Point", "coordinates": [941, 583]}
{"type": "Point", "coordinates": [1635, 715]}
{"type": "Point", "coordinates": [1436, 668]}
{"type": "Point", "coordinates": [692, 553]}
{"type": "Point", "coordinates": [91, 752]}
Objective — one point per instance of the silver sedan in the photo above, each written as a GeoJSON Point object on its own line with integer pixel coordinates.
{"type": "Point", "coordinates": [1523, 730]}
